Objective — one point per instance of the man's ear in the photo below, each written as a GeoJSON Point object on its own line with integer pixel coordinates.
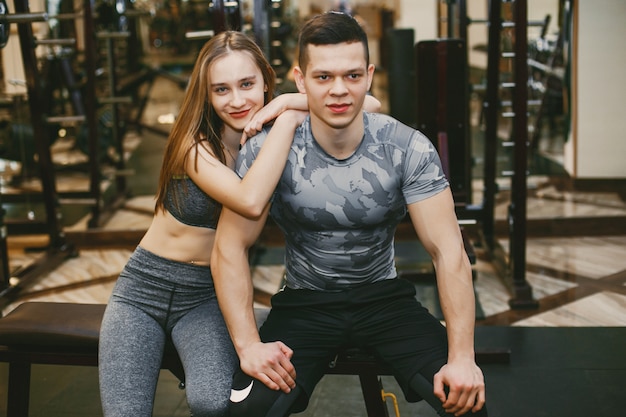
{"type": "Point", "coordinates": [298, 77]}
{"type": "Point", "coordinates": [370, 75]}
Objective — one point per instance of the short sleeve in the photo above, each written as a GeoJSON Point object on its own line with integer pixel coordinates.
{"type": "Point", "coordinates": [249, 152]}
{"type": "Point", "coordinates": [423, 174]}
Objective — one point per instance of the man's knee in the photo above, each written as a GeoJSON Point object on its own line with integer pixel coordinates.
{"type": "Point", "coordinates": [250, 397]}
{"type": "Point", "coordinates": [423, 387]}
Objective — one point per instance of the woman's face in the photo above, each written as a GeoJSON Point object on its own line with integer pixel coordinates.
{"type": "Point", "coordinates": [236, 89]}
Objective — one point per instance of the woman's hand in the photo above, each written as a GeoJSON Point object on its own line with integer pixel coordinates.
{"type": "Point", "coordinates": [294, 116]}
{"type": "Point", "coordinates": [290, 101]}
{"type": "Point", "coordinates": [287, 101]}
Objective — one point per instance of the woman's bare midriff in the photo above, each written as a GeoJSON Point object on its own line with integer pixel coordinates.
{"type": "Point", "coordinates": [171, 239]}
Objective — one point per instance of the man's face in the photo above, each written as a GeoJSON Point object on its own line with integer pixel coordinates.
{"type": "Point", "coordinates": [336, 81]}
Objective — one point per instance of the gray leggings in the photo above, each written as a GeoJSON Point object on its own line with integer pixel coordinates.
{"type": "Point", "coordinates": [155, 298]}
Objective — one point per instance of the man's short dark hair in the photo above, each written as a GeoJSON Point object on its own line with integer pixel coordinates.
{"type": "Point", "coordinates": [330, 28]}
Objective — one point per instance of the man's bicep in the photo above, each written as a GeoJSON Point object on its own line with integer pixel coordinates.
{"type": "Point", "coordinates": [434, 220]}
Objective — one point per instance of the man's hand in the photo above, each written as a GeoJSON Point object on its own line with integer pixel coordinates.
{"type": "Point", "coordinates": [466, 387]}
{"type": "Point", "coordinates": [269, 363]}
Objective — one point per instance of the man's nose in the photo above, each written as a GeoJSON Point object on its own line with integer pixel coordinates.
{"type": "Point", "coordinates": [339, 87]}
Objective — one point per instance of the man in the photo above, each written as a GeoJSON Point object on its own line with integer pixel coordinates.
{"type": "Point", "coordinates": [350, 179]}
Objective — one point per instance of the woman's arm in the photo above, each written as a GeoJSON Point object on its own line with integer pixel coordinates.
{"type": "Point", "coordinates": [371, 104]}
{"type": "Point", "coordinates": [269, 112]}
{"type": "Point", "coordinates": [247, 196]}
{"type": "Point", "coordinates": [292, 101]}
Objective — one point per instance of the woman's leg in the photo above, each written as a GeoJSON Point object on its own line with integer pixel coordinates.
{"type": "Point", "coordinates": [208, 357]}
{"type": "Point", "coordinates": [130, 354]}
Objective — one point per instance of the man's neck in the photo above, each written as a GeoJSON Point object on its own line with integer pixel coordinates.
{"type": "Point", "coordinates": [339, 143]}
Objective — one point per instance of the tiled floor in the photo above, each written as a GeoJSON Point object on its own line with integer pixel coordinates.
{"type": "Point", "coordinates": [578, 280]}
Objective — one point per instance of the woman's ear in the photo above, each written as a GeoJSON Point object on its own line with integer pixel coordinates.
{"type": "Point", "coordinates": [298, 76]}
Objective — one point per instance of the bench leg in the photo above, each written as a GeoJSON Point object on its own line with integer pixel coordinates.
{"type": "Point", "coordinates": [372, 394]}
{"type": "Point", "coordinates": [18, 389]}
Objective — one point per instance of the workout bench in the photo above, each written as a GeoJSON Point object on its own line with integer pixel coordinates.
{"type": "Point", "coordinates": [53, 334]}
{"type": "Point", "coordinates": [67, 334]}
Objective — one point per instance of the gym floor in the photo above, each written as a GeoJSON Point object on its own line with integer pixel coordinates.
{"type": "Point", "coordinates": [566, 354]}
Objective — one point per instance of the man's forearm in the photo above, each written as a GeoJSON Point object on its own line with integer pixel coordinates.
{"type": "Point", "coordinates": [268, 362]}
{"type": "Point", "coordinates": [234, 289]}
{"type": "Point", "coordinates": [458, 306]}
{"type": "Point", "coordinates": [437, 228]}
{"type": "Point", "coordinates": [231, 276]}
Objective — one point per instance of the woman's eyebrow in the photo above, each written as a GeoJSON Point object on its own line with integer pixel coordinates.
{"type": "Point", "coordinates": [244, 79]}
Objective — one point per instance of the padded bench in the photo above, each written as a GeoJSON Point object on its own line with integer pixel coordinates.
{"type": "Point", "coordinates": [67, 334]}
{"type": "Point", "coordinates": [54, 334]}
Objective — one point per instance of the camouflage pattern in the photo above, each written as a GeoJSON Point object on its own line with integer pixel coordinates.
{"type": "Point", "coordinates": [339, 216]}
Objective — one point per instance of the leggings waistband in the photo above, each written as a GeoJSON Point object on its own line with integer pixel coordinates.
{"type": "Point", "coordinates": [144, 262]}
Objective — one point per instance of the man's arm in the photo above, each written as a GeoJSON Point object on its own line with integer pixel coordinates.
{"type": "Point", "coordinates": [437, 227]}
{"type": "Point", "coordinates": [268, 362]}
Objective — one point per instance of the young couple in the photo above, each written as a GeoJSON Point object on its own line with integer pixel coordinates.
{"type": "Point", "coordinates": [339, 179]}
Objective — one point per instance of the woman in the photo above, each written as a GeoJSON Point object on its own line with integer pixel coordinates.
{"type": "Point", "coordinates": [166, 289]}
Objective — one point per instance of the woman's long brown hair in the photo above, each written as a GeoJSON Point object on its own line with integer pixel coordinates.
{"type": "Point", "coordinates": [197, 123]}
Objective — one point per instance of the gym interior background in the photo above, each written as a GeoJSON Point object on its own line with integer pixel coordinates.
{"type": "Point", "coordinates": [523, 99]}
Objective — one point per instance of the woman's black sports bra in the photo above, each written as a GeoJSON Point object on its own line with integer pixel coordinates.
{"type": "Point", "coordinates": [195, 207]}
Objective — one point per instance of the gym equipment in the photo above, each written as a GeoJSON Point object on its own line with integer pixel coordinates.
{"type": "Point", "coordinates": [98, 126]}
{"type": "Point", "coordinates": [40, 129]}
{"type": "Point", "coordinates": [226, 15]}
{"type": "Point", "coordinates": [510, 267]}
{"type": "Point", "coordinates": [442, 109]}
{"type": "Point", "coordinates": [59, 334]}
{"type": "Point", "coordinates": [106, 136]}
{"type": "Point", "coordinates": [514, 271]}
{"type": "Point", "coordinates": [58, 249]}
{"type": "Point", "coordinates": [67, 334]}
{"type": "Point", "coordinates": [6, 19]}
{"type": "Point", "coordinates": [54, 334]}
{"type": "Point", "coordinates": [401, 75]}
{"type": "Point", "coordinates": [546, 79]}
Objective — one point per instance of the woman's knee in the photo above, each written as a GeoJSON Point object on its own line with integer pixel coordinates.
{"type": "Point", "coordinates": [207, 393]}
{"type": "Point", "coordinates": [208, 406]}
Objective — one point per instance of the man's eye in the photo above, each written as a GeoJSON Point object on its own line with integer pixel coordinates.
{"type": "Point", "coordinates": [323, 77]}
{"type": "Point", "coordinates": [354, 76]}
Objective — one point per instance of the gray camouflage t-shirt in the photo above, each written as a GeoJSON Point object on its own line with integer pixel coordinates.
{"type": "Point", "coordinates": [339, 216]}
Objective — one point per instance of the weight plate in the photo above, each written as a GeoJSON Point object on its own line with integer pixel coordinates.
{"type": "Point", "coordinates": [5, 29]}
